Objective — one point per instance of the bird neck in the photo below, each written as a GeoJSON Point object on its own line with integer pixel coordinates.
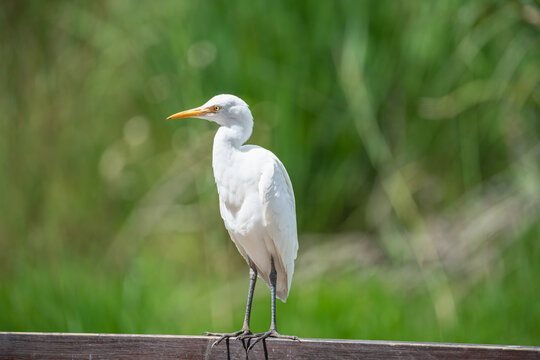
{"type": "Point", "coordinates": [233, 136]}
{"type": "Point", "coordinates": [227, 143]}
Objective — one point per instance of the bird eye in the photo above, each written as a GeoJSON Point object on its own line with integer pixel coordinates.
{"type": "Point", "coordinates": [217, 107]}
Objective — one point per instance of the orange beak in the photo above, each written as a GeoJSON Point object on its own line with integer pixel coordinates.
{"type": "Point", "coordinates": [189, 113]}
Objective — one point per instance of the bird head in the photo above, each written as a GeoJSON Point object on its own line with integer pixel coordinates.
{"type": "Point", "coordinates": [225, 110]}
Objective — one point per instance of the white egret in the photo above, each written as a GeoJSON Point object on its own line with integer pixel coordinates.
{"type": "Point", "coordinates": [256, 202]}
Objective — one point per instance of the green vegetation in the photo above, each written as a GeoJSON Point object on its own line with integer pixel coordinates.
{"type": "Point", "coordinates": [410, 131]}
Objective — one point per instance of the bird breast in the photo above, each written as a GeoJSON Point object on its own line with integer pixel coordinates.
{"type": "Point", "coordinates": [240, 203]}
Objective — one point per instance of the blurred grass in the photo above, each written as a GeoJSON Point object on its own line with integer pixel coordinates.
{"type": "Point", "coordinates": [411, 128]}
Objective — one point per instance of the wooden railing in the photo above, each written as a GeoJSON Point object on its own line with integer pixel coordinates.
{"type": "Point", "coordinates": [99, 346]}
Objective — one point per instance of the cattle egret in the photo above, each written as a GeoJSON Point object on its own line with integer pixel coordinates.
{"type": "Point", "coordinates": [256, 202]}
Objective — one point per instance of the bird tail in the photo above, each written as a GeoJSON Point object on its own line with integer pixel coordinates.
{"type": "Point", "coordinates": [284, 281]}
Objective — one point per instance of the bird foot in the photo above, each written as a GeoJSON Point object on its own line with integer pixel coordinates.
{"type": "Point", "coordinates": [262, 336]}
{"type": "Point", "coordinates": [223, 336]}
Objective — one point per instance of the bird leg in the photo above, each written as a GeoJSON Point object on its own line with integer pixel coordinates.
{"type": "Point", "coordinates": [272, 332]}
{"type": "Point", "coordinates": [245, 329]}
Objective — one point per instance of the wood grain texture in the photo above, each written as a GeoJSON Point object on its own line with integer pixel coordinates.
{"type": "Point", "coordinates": [107, 346]}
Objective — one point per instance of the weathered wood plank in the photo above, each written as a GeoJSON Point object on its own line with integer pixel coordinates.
{"type": "Point", "coordinates": [101, 346]}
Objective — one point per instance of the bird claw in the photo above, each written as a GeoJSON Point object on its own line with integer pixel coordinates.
{"type": "Point", "coordinates": [270, 333]}
{"type": "Point", "coordinates": [223, 336]}
{"type": "Point", "coordinates": [244, 336]}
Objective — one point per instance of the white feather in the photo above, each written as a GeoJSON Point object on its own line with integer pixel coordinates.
{"type": "Point", "coordinates": [279, 218]}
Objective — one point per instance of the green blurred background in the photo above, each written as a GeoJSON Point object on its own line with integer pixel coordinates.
{"type": "Point", "coordinates": [410, 130]}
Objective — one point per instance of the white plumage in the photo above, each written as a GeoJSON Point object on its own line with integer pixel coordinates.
{"type": "Point", "coordinates": [257, 206]}
{"type": "Point", "coordinates": [256, 199]}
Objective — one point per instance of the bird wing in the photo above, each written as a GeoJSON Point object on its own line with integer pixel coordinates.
{"type": "Point", "coordinates": [279, 217]}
